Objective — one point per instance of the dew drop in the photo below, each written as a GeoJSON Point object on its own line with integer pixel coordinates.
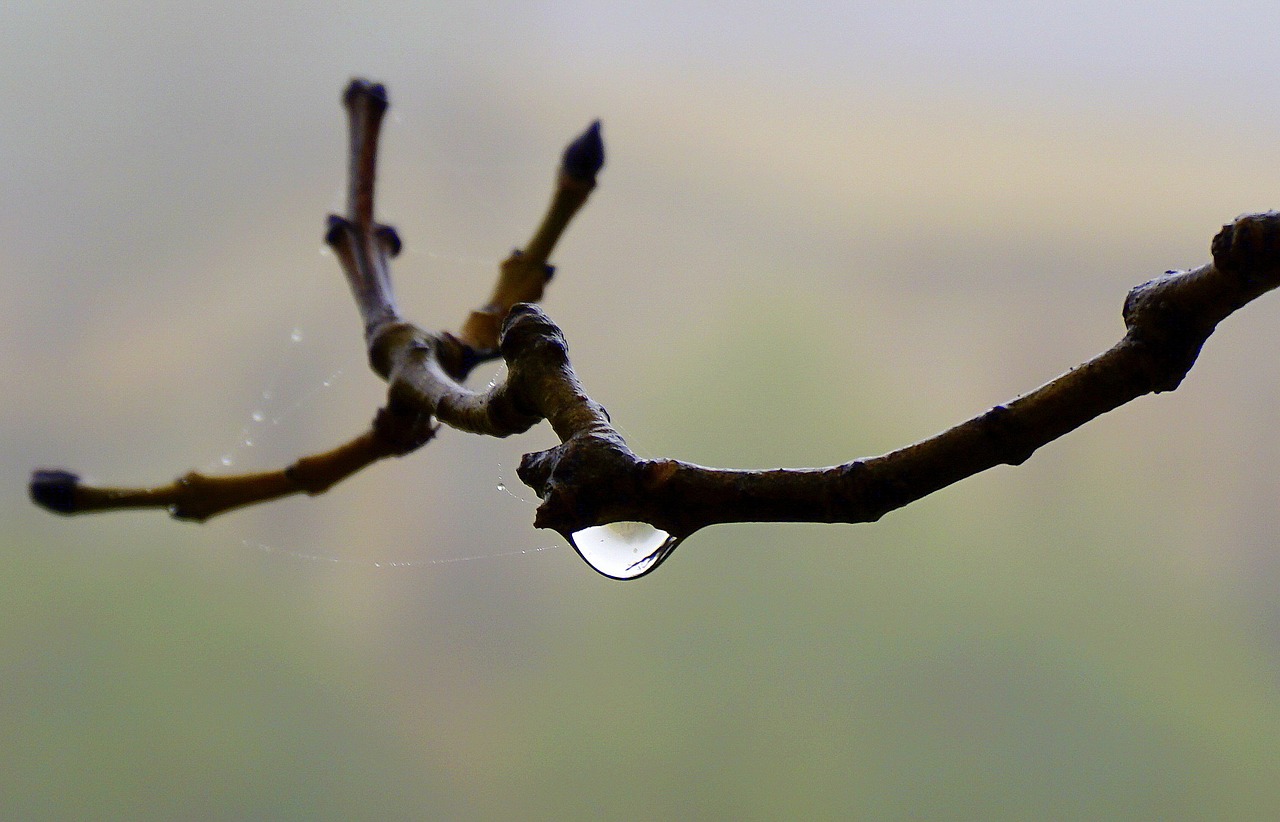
{"type": "Point", "coordinates": [624, 550]}
{"type": "Point", "coordinates": [502, 486]}
{"type": "Point", "coordinates": [296, 335]}
{"type": "Point", "coordinates": [226, 459]}
{"type": "Point", "coordinates": [257, 416]}
{"type": "Point", "coordinates": [248, 442]}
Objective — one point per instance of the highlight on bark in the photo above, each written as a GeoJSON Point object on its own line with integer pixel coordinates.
{"type": "Point", "coordinates": [623, 514]}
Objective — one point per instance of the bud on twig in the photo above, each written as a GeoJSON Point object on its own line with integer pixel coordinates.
{"type": "Point", "coordinates": [584, 157]}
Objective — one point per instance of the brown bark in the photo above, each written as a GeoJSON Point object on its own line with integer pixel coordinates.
{"type": "Point", "coordinates": [592, 477]}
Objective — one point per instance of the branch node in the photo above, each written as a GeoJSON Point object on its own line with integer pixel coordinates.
{"type": "Point", "coordinates": [1167, 329]}
{"type": "Point", "coordinates": [402, 428]}
{"type": "Point", "coordinates": [1250, 246]}
{"type": "Point", "coordinates": [389, 239]}
{"type": "Point", "coordinates": [527, 329]}
{"type": "Point", "coordinates": [1002, 427]}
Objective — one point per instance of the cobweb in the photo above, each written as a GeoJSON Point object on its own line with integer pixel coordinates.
{"type": "Point", "coordinates": [298, 393]}
{"type": "Point", "coordinates": [305, 385]}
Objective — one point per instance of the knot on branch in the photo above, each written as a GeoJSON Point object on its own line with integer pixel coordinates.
{"type": "Point", "coordinates": [1250, 246]}
{"type": "Point", "coordinates": [1167, 327]}
{"type": "Point", "coordinates": [393, 342]}
{"type": "Point", "coordinates": [528, 331]}
{"type": "Point", "coordinates": [584, 481]}
{"type": "Point", "coordinates": [402, 428]}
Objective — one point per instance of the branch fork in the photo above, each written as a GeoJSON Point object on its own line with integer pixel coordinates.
{"type": "Point", "coordinates": [592, 478]}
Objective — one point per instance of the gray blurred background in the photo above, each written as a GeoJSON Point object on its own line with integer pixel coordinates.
{"type": "Point", "coordinates": [824, 231]}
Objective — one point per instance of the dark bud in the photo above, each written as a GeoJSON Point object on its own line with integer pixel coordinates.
{"type": "Point", "coordinates": [584, 157]}
{"type": "Point", "coordinates": [548, 270]}
{"type": "Point", "coordinates": [54, 490]}
{"type": "Point", "coordinates": [334, 226]}
{"type": "Point", "coordinates": [360, 90]}
{"type": "Point", "coordinates": [389, 238]}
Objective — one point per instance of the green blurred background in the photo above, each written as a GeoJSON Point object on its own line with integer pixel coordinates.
{"type": "Point", "coordinates": [824, 231]}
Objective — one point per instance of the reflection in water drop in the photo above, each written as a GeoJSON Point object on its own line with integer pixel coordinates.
{"type": "Point", "coordinates": [624, 550]}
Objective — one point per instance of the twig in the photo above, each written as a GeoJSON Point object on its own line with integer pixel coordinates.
{"type": "Point", "coordinates": [424, 370]}
{"type": "Point", "coordinates": [592, 478]}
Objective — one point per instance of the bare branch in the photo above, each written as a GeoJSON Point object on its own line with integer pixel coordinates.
{"type": "Point", "coordinates": [592, 478]}
{"type": "Point", "coordinates": [424, 370]}
{"type": "Point", "coordinates": [362, 246]}
{"type": "Point", "coordinates": [195, 496]}
{"type": "Point", "coordinates": [524, 274]}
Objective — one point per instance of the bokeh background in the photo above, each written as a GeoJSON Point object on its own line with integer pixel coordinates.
{"type": "Point", "coordinates": [824, 231]}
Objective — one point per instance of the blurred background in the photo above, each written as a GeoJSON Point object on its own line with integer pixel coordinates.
{"type": "Point", "coordinates": [824, 231]}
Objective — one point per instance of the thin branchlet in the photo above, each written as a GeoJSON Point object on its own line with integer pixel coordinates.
{"type": "Point", "coordinates": [592, 477]}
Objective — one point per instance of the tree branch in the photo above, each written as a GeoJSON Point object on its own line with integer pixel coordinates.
{"type": "Point", "coordinates": [424, 370]}
{"type": "Point", "coordinates": [592, 478]}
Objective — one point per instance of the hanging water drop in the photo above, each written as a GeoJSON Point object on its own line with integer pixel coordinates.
{"type": "Point", "coordinates": [624, 550]}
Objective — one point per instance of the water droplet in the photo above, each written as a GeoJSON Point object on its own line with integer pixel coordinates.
{"type": "Point", "coordinates": [296, 335]}
{"type": "Point", "coordinates": [624, 550]}
{"type": "Point", "coordinates": [327, 383]}
{"type": "Point", "coordinates": [248, 443]}
{"type": "Point", "coordinates": [268, 394]}
{"type": "Point", "coordinates": [226, 459]}
{"type": "Point", "coordinates": [257, 416]}
{"type": "Point", "coordinates": [325, 251]}
{"type": "Point", "coordinates": [502, 486]}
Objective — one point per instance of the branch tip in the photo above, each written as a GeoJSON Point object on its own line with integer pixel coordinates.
{"type": "Point", "coordinates": [362, 92]}
{"type": "Point", "coordinates": [54, 490]}
{"type": "Point", "coordinates": [584, 157]}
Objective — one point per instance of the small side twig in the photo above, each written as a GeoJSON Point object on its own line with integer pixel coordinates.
{"type": "Point", "coordinates": [424, 370]}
